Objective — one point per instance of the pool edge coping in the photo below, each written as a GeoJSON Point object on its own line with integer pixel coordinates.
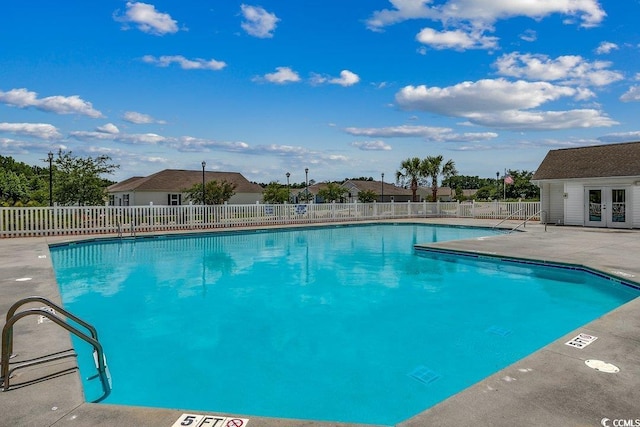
{"type": "Point", "coordinates": [115, 412]}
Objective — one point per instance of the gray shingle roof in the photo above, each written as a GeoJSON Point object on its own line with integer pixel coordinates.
{"type": "Point", "coordinates": [376, 186]}
{"type": "Point", "coordinates": [174, 180]}
{"type": "Point", "coordinates": [591, 162]}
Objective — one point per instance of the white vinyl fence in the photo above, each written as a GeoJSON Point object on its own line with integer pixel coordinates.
{"type": "Point", "coordinates": [129, 220]}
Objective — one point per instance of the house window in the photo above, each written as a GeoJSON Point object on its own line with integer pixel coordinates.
{"type": "Point", "coordinates": [175, 199]}
{"type": "Point", "coordinates": [112, 200]}
{"type": "Point", "coordinates": [125, 200]}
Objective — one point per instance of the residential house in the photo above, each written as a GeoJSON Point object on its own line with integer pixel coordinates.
{"type": "Point", "coordinates": [445, 194]}
{"type": "Point", "coordinates": [596, 186]}
{"type": "Point", "coordinates": [168, 187]}
{"type": "Point", "coordinates": [386, 192]}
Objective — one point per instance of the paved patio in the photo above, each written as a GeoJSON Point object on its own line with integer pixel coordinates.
{"type": "Point", "coordinates": [552, 387]}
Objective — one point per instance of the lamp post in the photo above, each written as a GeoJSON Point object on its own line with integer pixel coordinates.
{"type": "Point", "coordinates": [306, 180]}
{"type": "Point", "coordinates": [288, 191]}
{"type": "Point", "coordinates": [203, 191]}
{"type": "Point", "coordinates": [497, 185]}
{"type": "Point", "coordinates": [382, 189]}
{"type": "Point", "coordinates": [50, 155]}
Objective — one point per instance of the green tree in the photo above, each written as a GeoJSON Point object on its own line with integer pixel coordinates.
{"type": "Point", "coordinates": [466, 182]}
{"type": "Point", "coordinates": [522, 186]}
{"type": "Point", "coordinates": [332, 192]}
{"type": "Point", "coordinates": [78, 180]}
{"type": "Point", "coordinates": [411, 172]}
{"type": "Point", "coordinates": [13, 187]}
{"type": "Point", "coordinates": [275, 193]}
{"type": "Point", "coordinates": [488, 192]}
{"type": "Point", "coordinates": [433, 167]}
{"type": "Point", "coordinates": [367, 196]}
{"type": "Point", "coordinates": [23, 184]}
{"type": "Point", "coordinates": [216, 193]}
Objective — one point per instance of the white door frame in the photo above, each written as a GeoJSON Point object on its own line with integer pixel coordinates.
{"type": "Point", "coordinates": [609, 212]}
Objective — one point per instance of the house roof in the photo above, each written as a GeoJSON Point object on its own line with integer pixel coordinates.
{"type": "Point", "coordinates": [376, 186]}
{"type": "Point", "coordinates": [591, 162]}
{"type": "Point", "coordinates": [175, 180]}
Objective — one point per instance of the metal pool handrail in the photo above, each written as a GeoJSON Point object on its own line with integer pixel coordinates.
{"type": "Point", "coordinates": [7, 342]}
{"type": "Point", "coordinates": [509, 216]}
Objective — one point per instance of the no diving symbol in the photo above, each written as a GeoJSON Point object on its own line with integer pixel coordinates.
{"type": "Point", "coordinates": [234, 423]}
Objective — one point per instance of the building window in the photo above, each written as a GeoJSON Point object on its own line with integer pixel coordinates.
{"type": "Point", "coordinates": [112, 200]}
{"type": "Point", "coordinates": [125, 200]}
{"type": "Point", "coordinates": [175, 199]}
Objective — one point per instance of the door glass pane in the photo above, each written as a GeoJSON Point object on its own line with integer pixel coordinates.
{"type": "Point", "coordinates": [595, 205]}
{"type": "Point", "coordinates": [618, 205]}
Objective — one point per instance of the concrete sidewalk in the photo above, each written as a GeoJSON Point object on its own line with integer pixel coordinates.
{"type": "Point", "coordinates": [552, 387]}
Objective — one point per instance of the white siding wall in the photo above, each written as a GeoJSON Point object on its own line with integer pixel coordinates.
{"type": "Point", "coordinates": [145, 198]}
{"type": "Point", "coordinates": [635, 203]}
{"type": "Point", "coordinates": [141, 198]}
{"type": "Point", "coordinates": [574, 203]}
{"type": "Point", "coordinates": [555, 210]}
{"type": "Point", "coordinates": [246, 198]}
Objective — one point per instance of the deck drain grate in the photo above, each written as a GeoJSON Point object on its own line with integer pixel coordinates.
{"type": "Point", "coordinates": [499, 330]}
{"type": "Point", "coordinates": [424, 375]}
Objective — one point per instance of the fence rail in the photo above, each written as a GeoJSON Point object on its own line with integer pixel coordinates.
{"type": "Point", "coordinates": [59, 221]}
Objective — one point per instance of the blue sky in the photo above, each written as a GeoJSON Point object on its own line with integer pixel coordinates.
{"type": "Point", "coordinates": [344, 88]}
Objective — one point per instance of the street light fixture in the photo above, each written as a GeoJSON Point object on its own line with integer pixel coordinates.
{"type": "Point", "coordinates": [50, 155]}
{"type": "Point", "coordinates": [382, 189]}
{"type": "Point", "coordinates": [288, 191]}
{"type": "Point", "coordinates": [306, 180]}
{"type": "Point", "coordinates": [203, 191]}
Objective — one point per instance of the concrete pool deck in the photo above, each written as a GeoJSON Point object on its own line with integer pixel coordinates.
{"type": "Point", "coordinates": [551, 387]}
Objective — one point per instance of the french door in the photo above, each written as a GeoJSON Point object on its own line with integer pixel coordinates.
{"type": "Point", "coordinates": [606, 207]}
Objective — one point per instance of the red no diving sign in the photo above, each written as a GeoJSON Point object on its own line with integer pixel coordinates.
{"type": "Point", "coordinates": [197, 420]}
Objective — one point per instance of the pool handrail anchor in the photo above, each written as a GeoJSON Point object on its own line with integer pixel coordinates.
{"type": "Point", "coordinates": [92, 339]}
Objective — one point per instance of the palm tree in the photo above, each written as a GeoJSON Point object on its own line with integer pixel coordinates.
{"type": "Point", "coordinates": [411, 170]}
{"type": "Point", "coordinates": [433, 167]}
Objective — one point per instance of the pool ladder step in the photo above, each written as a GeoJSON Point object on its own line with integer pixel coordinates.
{"type": "Point", "coordinates": [51, 312]}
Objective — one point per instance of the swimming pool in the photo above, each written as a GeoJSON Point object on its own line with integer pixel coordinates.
{"type": "Point", "coordinates": [339, 323]}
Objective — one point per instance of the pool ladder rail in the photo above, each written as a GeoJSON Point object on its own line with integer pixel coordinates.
{"type": "Point", "coordinates": [51, 311]}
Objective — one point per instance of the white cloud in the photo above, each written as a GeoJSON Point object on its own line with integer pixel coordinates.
{"type": "Point", "coordinates": [500, 103]}
{"type": "Point", "coordinates": [126, 138]}
{"type": "Point", "coordinates": [36, 130]}
{"type": "Point", "coordinates": [192, 144]}
{"type": "Point", "coordinates": [456, 39]}
{"type": "Point", "coordinates": [468, 97]}
{"type": "Point", "coordinates": [282, 75]}
{"type": "Point", "coordinates": [633, 94]}
{"type": "Point", "coordinates": [481, 13]}
{"type": "Point", "coordinates": [148, 19]}
{"type": "Point", "coordinates": [258, 22]}
{"type": "Point", "coordinates": [568, 69]}
{"type": "Point", "coordinates": [184, 63]}
{"type": "Point", "coordinates": [529, 36]}
{"type": "Point", "coordinates": [140, 118]}
{"type": "Point", "coordinates": [606, 47]}
{"type": "Point", "coordinates": [544, 120]}
{"type": "Point", "coordinates": [347, 78]}
{"type": "Point", "coordinates": [403, 131]}
{"type": "Point", "coordinates": [23, 98]}
{"type": "Point", "coordinates": [109, 128]}
{"type": "Point", "coordinates": [621, 137]}
{"type": "Point", "coordinates": [429, 133]}
{"type": "Point", "coordinates": [372, 145]}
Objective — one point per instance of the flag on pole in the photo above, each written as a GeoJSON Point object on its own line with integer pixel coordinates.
{"type": "Point", "coordinates": [508, 180]}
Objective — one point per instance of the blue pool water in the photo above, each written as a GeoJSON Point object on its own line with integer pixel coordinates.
{"type": "Point", "coordinates": [339, 323]}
